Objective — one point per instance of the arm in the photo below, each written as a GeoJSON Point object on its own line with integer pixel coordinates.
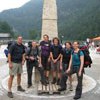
{"type": "Point", "coordinates": [51, 55]}
{"type": "Point", "coordinates": [39, 60]}
{"type": "Point", "coordinates": [23, 59]}
{"type": "Point", "coordinates": [61, 60]}
{"type": "Point", "coordinates": [81, 65]}
{"type": "Point", "coordinates": [58, 57]}
{"type": "Point", "coordinates": [70, 65]}
{"type": "Point", "coordinates": [9, 60]}
{"type": "Point", "coordinates": [11, 49]}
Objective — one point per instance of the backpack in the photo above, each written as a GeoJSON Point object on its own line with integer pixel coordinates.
{"type": "Point", "coordinates": [87, 57]}
{"type": "Point", "coordinates": [30, 49]}
{"type": "Point", "coordinates": [10, 43]}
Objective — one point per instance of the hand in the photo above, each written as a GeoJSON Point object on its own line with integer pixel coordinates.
{"type": "Point", "coordinates": [23, 62]}
{"type": "Point", "coordinates": [48, 59]}
{"type": "Point", "coordinates": [55, 60]}
{"type": "Point", "coordinates": [40, 65]}
{"type": "Point", "coordinates": [61, 67]}
{"type": "Point", "coordinates": [10, 65]}
{"type": "Point", "coordinates": [79, 73]}
{"type": "Point", "coordinates": [32, 58]}
{"type": "Point", "coordinates": [67, 71]}
{"type": "Point", "coordinates": [27, 57]}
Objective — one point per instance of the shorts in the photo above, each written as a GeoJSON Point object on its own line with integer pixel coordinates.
{"type": "Point", "coordinates": [45, 63]}
{"type": "Point", "coordinates": [16, 69]}
{"type": "Point", "coordinates": [55, 66]}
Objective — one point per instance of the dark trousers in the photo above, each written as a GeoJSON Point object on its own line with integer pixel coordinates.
{"type": "Point", "coordinates": [30, 66]}
{"type": "Point", "coordinates": [79, 79]}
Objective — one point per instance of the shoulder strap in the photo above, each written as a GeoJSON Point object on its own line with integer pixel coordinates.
{"type": "Point", "coordinates": [79, 53]}
{"type": "Point", "coordinates": [30, 49]}
{"type": "Point", "coordinates": [37, 49]}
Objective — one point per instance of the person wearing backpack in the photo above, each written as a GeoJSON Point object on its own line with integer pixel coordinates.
{"type": "Point", "coordinates": [64, 62]}
{"type": "Point", "coordinates": [76, 65]}
{"type": "Point", "coordinates": [33, 59]}
{"type": "Point", "coordinates": [45, 56]}
{"type": "Point", "coordinates": [55, 54]}
{"type": "Point", "coordinates": [16, 59]}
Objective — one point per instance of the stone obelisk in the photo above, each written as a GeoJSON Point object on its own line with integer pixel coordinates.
{"type": "Point", "coordinates": [49, 19]}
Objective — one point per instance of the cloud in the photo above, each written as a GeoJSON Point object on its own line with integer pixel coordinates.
{"type": "Point", "coordinates": [8, 4]}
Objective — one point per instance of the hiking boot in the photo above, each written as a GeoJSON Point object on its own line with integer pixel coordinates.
{"type": "Point", "coordinates": [61, 89]}
{"type": "Point", "coordinates": [10, 95]}
{"type": "Point", "coordinates": [47, 80]}
{"type": "Point", "coordinates": [76, 97]}
{"type": "Point", "coordinates": [44, 83]}
{"type": "Point", "coordinates": [71, 88]}
{"type": "Point", "coordinates": [58, 82]}
{"type": "Point", "coordinates": [19, 88]}
{"type": "Point", "coordinates": [54, 81]}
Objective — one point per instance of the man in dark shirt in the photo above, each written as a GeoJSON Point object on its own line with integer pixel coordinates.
{"type": "Point", "coordinates": [16, 58]}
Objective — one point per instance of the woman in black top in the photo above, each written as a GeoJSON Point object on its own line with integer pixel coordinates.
{"type": "Point", "coordinates": [55, 54]}
{"type": "Point", "coordinates": [65, 58]}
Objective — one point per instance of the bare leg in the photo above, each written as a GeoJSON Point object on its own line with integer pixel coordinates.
{"type": "Point", "coordinates": [10, 81]}
{"type": "Point", "coordinates": [70, 80]}
{"type": "Point", "coordinates": [47, 74]}
{"type": "Point", "coordinates": [18, 79]}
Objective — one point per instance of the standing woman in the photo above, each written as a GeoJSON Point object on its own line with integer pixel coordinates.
{"type": "Point", "coordinates": [55, 54]}
{"type": "Point", "coordinates": [34, 60]}
{"type": "Point", "coordinates": [65, 58]}
{"type": "Point", "coordinates": [75, 66]}
{"type": "Point", "coordinates": [45, 55]}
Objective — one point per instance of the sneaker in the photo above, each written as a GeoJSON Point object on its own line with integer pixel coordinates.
{"type": "Point", "coordinates": [54, 81]}
{"type": "Point", "coordinates": [58, 82]}
{"type": "Point", "coordinates": [76, 97]}
{"type": "Point", "coordinates": [19, 88]}
{"type": "Point", "coordinates": [44, 83]}
{"type": "Point", "coordinates": [10, 95]}
{"type": "Point", "coordinates": [29, 85]}
{"type": "Point", "coordinates": [71, 88]}
{"type": "Point", "coordinates": [61, 89]}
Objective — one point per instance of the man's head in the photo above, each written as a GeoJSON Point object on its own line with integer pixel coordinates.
{"type": "Point", "coordinates": [19, 40]}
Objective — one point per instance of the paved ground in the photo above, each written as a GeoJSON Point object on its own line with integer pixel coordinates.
{"type": "Point", "coordinates": [93, 72]}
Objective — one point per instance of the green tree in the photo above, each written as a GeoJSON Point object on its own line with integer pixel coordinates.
{"type": "Point", "coordinates": [6, 28]}
{"type": "Point", "coordinates": [33, 34]}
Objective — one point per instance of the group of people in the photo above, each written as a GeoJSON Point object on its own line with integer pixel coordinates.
{"type": "Point", "coordinates": [48, 57]}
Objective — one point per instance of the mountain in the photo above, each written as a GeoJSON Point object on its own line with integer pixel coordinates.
{"type": "Point", "coordinates": [26, 18]}
{"type": "Point", "coordinates": [77, 19]}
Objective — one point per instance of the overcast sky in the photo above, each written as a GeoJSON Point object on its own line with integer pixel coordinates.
{"type": "Point", "coordinates": [8, 4]}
